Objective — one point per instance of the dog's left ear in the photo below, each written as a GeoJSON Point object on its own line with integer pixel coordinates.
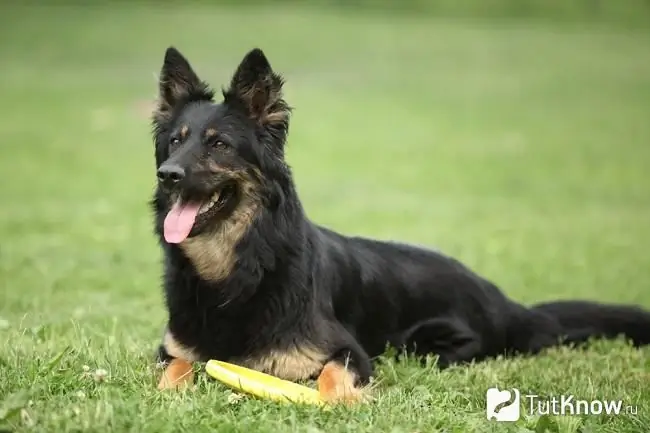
{"type": "Point", "coordinates": [178, 83]}
{"type": "Point", "coordinates": [259, 89]}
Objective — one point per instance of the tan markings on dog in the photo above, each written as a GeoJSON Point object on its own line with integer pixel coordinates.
{"type": "Point", "coordinates": [163, 109]}
{"type": "Point", "coordinates": [266, 105]}
{"type": "Point", "coordinates": [184, 130]}
{"type": "Point", "coordinates": [336, 385]}
{"type": "Point", "coordinates": [179, 374]}
{"type": "Point", "coordinates": [213, 253]}
{"type": "Point", "coordinates": [277, 116]}
{"type": "Point", "coordinates": [297, 363]}
{"type": "Point", "coordinates": [177, 350]}
{"type": "Point", "coordinates": [210, 132]}
{"type": "Point", "coordinates": [242, 176]}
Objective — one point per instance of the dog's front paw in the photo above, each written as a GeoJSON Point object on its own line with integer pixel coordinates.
{"type": "Point", "coordinates": [336, 385]}
{"type": "Point", "coordinates": [178, 374]}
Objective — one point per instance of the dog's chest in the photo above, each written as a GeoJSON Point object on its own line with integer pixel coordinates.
{"type": "Point", "coordinates": [244, 341]}
{"type": "Point", "coordinates": [252, 334]}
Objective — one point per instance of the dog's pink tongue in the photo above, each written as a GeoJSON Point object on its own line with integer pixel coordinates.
{"type": "Point", "coordinates": [179, 221]}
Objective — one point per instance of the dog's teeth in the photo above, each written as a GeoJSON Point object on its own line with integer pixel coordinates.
{"type": "Point", "coordinates": [206, 207]}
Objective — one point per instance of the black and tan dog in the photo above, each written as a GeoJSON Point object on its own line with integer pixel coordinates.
{"type": "Point", "coordinates": [248, 278]}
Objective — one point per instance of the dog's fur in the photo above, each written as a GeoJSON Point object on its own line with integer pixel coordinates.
{"type": "Point", "coordinates": [261, 285]}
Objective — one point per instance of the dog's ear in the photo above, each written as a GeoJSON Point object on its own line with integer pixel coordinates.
{"type": "Point", "coordinates": [178, 83]}
{"type": "Point", "coordinates": [259, 90]}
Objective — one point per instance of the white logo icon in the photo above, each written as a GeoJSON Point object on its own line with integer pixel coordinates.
{"type": "Point", "coordinates": [502, 405]}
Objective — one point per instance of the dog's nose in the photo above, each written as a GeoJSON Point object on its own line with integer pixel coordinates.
{"type": "Point", "coordinates": [168, 175]}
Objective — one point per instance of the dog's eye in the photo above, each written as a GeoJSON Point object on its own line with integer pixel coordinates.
{"type": "Point", "coordinates": [218, 144]}
{"type": "Point", "coordinates": [174, 141]}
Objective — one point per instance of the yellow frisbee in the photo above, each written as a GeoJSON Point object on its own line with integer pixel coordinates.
{"type": "Point", "coordinates": [262, 385]}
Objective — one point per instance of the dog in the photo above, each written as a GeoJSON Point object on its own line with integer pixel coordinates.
{"type": "Point", "coordinates": [250, 279]}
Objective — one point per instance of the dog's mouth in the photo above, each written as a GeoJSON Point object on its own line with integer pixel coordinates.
{"type": "Point", "coordinates": [188, 218]}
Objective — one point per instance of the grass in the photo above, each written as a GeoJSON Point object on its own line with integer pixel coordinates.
{"type": "Point", "coordinates": [520, 149]}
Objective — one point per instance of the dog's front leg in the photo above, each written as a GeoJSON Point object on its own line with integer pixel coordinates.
{"type": "Point", "coordinates": [344, 379]}
{"type": "Point", "coordinates": [178, 374]}
{"type": "Point", "coordinates": [179, 371]}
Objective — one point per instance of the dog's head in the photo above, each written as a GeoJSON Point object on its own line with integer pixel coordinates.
{"type": "Point", "coordinates": [210, 155]}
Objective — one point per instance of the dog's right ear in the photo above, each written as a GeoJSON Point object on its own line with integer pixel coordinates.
{"type": "Point", "coordinates": [258, 89]}
{"type": "Point", "coordinates": [178, 84]}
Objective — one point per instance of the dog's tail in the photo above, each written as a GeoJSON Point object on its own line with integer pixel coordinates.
{"type": "Point", "coordinates": [583, 320]}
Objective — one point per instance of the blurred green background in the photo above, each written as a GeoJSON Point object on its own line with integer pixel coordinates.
{"type": "Point", "coordinates": [513, 135]}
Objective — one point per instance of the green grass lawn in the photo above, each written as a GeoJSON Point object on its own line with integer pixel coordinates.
{"type": "Point", "coordinates": [521, 149]}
